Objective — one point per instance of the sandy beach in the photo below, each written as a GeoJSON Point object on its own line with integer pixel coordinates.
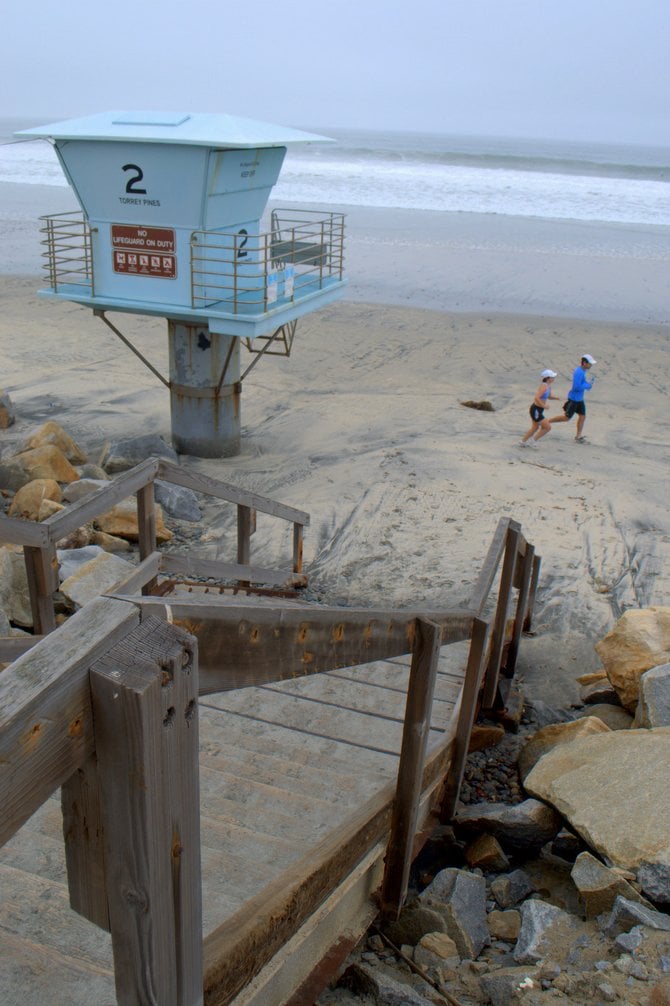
{"type": "Point", "coordinates": [363, 426]}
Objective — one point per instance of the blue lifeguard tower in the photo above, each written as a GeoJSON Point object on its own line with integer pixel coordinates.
{"type": "Point", "coordinates": [171, 226]}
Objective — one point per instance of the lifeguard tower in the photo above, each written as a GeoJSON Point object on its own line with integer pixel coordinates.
{"type": "Point", "coordinates": [172, 226]}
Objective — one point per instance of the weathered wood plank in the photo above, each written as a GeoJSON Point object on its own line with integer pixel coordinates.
{"type": "Point", "coordinates": [84, 844]}
{"type": "Point", "coordinates": [45, 711]}
{"type": "Point", "coordinates": [416, 728]}
{"type": "Point", "coordinates": [240, 947]}
{"type": "Point", "coordinates": [467, 711]}
{"type": "Point", "coordinates": [487, 573]}
{"type": "Point", "coordinates": [143, 574]}
{"type": "Point", "coordinates": [41, 570]}
{"type": "Point", "coordinates": [239, 647]}
{"type": "Point", "coordinates": [146, 528]}
{"type": "Point", "coordinates": [507, 577]}
{"type": "Point", "coordinates": [23, 532]}
{"type": "Point", "coordinates": [525, 565]}
{"type": "Point", "coordinates": [146, 736]}
{"type": "Point", "coordinates": [12, 647]}
{"type": "Point", "coordinates": [225, 491]}
{"type": "Point", "coordinates": [193, 565]}
{"type": "Point", "coordinates": [84, 510]}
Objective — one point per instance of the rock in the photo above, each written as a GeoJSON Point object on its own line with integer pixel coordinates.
{"type": "Point", "coordinates": [53, 434]}
{"type": "Point", "coordinates": [109, 543]}
{"type": "Point", "coordinates": [122, 522]}
{"type": "Point", "coordinates": [614, 790]}
{"type": "Point", "coordinates": [7, 413]}
{"type": "Point", "coordinates": [614, 716]}
{"type": "Point", "coordinates": [654, 879]}
{"type": "Point", "coordinates": [47, 462]}
{"type": "Point", "coordinates": [599, 886]}
{"type": "Point", "coordinates": [84, 487]}
{"type": "Point", "coordinates": [485, 736]}
{"type": "Point", "coordinates": [508, 986]}
{"type": "Point", "coordinates": [98, 576]}
{"type": "Point", "coordinates": [542, 714]}
{"type": "Point", "coordinates": [384, 989]}
{"type": "Point", "coordinates": [95, 472]}
{"type": "Point", "coordinates": [27, 501]}
{"type": "Point", "coordinates": [128, 453]}
{"type": "Point", "coordinates": [599, 693]}
{"type": "Point", "coordinates": [567, 845]}
{"type": "Point", "coordinates": [639, 640]}
{"type": "Point", "coordinates": [538, 920]}
{"type": "Point", "coordinates": [48, 508]}
{"type": "Point", "coordinates": [13, 475]}
{"type": "Point", "coordinates": [524, 827]}
{"type": "Point", "coordinates": [511, 888]}
{"type": "Point", "coordinates": [504, 925]}
{"type": "Point", "coordinates": [177, 501]}
{"type": "Point", "coordinates": [556, 733]}
{"type": "Point", "coordinates": [487, 854]}
{"type": "Point", "coordinates": [436, 950]}
{"type": "Point", "coordinates": [14, 593]}
{"type": "Point", "coordinates": [71, 560]}
{"type": "Point", "coordinates": [653, 709]}
{"type": "Point", "coordinates": [626, 914]}
{"type": "Point", "coordinates": [460, 897]}
{"type": "Point", "coordinates": [415, 922]}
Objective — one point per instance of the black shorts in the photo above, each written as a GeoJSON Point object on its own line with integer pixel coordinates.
{"type": "Point", "coordinates": [537, 415]}
{"type": "Point", "coordinates": [574, 408]}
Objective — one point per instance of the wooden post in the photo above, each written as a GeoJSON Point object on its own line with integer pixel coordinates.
{"type": "Point", "coordinates": [146, 519]}
{"type": "Point", "coordinates": [144, 696]}
{"type": "Point", "coordinates": [528, 616]}
{"type": "Point", "coordinates": [466, 716]}
{"type": "Point", "coordinates": [41, 569]}
{"type": "Point", "coordinates": [500, 622]}
{"type": "Point", "coordinates": [298, 531]}
{"type": "Point", "coordinates": [423, 673]}
{"type": "Point", "coordinates": [243, 539]}
{"type": "Point", "coordinates": [526, 570]}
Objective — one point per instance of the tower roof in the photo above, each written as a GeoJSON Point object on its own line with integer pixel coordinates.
{"type": "Point", "coordinates": [194, 128]}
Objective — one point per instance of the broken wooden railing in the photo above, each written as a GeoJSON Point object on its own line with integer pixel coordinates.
{"type": "Point", "coordinates": [40, 540]}
{"type": "Point", "coordinates": [106, 708]}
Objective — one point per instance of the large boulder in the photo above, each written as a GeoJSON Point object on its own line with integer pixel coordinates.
{"type": "Point", "coordinates": [549, 737]}
{"type": "Point", "coordinates": [7, 414]}
{"type": "Point", "coordinates": [122, 522]}
{"type": "Point", "coordinates": [52, 433]}
{"type": "Point", "coordinates": [28, 500]}
{"type": "Point", "coordinates": [639, 640]}
{"type": "Point", "coordinates": [47, 462]}
{"type": "Point", "coordinates": [614, 790]}
{"type": "Point", "coordinates": [520, 828]}
{"type": "Point", "coordinates": [127, 453]}
{"type": "Point", "coordinates": [653, 709]}
{"type": "Point", "coordinates": [97, 576]}
{"type": "Point", "coordinates": [460, 897]}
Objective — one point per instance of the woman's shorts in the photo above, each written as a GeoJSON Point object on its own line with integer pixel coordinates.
{"type": "Point", "coordinates": [537, 415]}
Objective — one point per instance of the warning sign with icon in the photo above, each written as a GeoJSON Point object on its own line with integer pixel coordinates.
{"type": "Point", "coordinates": [152, 251]}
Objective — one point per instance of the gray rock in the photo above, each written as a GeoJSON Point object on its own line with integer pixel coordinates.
{"type": "Point", "coordinates": [98, 576]}
{"type": "Point", "coordinates": [630, 942]}
{"type": "Point", "coordinates": [72, 559]}
{"type": "Point", "coordinates": [461, 898]}
{"type": "Point", "coordinates": [537, 919]}
{"type": "Point", "coordinates": [415, 922]}
{"type": "Point", "coordinates": [385, 989]}
{"type": "Point", "coordinates": [177, 501]}
{"type": "Point", "coordinates": [507, 986]}
{"type": "Point", "coordinates": [91, 471]}
{"type": "Point", "coordinates": [127, 453]}
{"type": "Point", "coordinates": [13, 475]}
{"type": "Point", "coordinates": [511, 888]}
{"type": "Point", "coordinates": [654, 879]}
{"type": "Point", "coordinates": [542, 714]}
{"type": "Point", "coordinates": [653, 709]}
{"type": "Point", "coordinates": [83, 487]}
{"type": "Point", "coordinates": [625, 914]}
{"type": "Point", "coordinates": [523, 827]}
{"type": "Point", "coordinates": [7, 411]}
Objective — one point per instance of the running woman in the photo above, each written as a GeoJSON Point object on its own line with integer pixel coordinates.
{"type": "Point", "coordinates": [539, 425]}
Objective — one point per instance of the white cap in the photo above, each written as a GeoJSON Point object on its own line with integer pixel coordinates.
{"type": "Point", "coordinates": [589, 359]}
{"type": "Point", "coordinates": [548, 373]}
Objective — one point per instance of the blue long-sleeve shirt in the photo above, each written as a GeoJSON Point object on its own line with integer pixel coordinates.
{"type": "Point", "coordinates": [579, 385]}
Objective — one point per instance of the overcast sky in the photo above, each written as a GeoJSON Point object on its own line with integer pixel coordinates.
{"type": "Point", "coordinates": [582, 69]}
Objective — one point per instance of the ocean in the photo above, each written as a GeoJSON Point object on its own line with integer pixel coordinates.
{"type": "Point", "coordinates": [549, 179]}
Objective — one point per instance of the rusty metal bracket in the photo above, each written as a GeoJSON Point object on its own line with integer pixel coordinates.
{"type": "Point", "coordinates": [128, 343]}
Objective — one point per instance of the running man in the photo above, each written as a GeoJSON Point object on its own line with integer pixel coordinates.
{"type": "Point", "coordinates": [575, 404]}
{"type": "Point", "coordinates": [539, 425]}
